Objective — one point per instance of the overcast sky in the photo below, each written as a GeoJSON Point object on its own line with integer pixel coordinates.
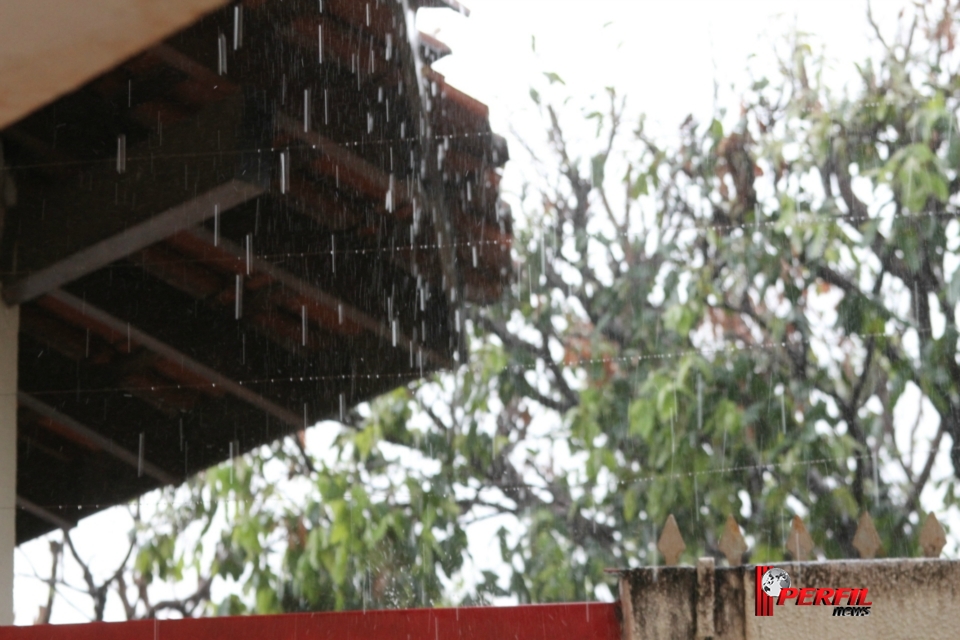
{"type": "Point", "coordinates": [665, 55]}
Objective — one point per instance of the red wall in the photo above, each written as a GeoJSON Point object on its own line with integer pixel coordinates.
{"type": "Point", "coordinates": [593, 621]}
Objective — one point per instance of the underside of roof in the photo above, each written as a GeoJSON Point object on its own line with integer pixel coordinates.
{"type": "Point", "coordinates": [269, 217]}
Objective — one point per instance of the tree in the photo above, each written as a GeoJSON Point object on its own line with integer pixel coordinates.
{"type": "Point", "coordinates": [721, 326]}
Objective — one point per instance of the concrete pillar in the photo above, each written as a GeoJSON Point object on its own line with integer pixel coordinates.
{"type": "Point", "coordinates": [9, 327]}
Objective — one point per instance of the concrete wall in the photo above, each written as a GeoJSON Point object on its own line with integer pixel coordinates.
{"type": "Point", "coordinates": [50, 47]}
{"type": "Point", "coordinates": [912, 598]}
{"type": "Point", "coordinates": [9, 327]}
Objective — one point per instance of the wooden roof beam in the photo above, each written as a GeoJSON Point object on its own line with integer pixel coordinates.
{"type": "Point", "coordinates": [337, 162]}
{"type": "Point", "coordinates": [204, 372]}
{"type": "Point", "coordinates": [81, 431]}
{"type": "Point", "coordinates": [39, 512]}
{"type": "Point", "coordinates": [154, 229]}
{"type": "Point", "coordinates": [442, 4]}
{"type": "Point", "coordinates": [316, 296]}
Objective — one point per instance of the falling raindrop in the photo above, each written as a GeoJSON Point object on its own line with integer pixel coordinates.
{"type": "Point", "coordinates": [306, 110]}
{"type": "Point", "coordinates": [783, 413]}
{"type": "Point", "coordinates": [237, 27]}
{"type": "Point", "coordinates": [181, 434]}
{"type": "Point", "coordinates": [389, 47]}
{"type": "Point", "coordinates": [393, 330]}
{"type": "Point", "coordinates": [333, 253]}
{"type": "Point", "coordinates": [673, 446]}
{"type": "Point", "coordinates": [326, 107]}
{"type": "Point", "coordinates": [339, 313]}
{"type": "Point", "coordinates": [723, 450]}
{"type": "Point", "coordinates": [249, 251]}
{"type": "Point", "coordinates": [216, 225]}
{"type": "Point", "coordinates": [343, 407]}
{"type": "Point", "coordinates": [699, 402]}
{"type": "Point", "coordinates": [121, 153]}
{"type": "Point", "coordinates": [696, 496]}
{"type": "Point", "coordinates": [543, 253]}
{"type": "Point", "coordinates": [221, 54]}
{"type": "Point", "coordinates": [916, 303]}
{"type": "Point", "coordinates": [238, 298]}
{"type": "Point", "coordinates": [140, 457]}
{"type": "Point", "coordinates": [876, 480]}
{"type": "Point", "coordinates": [474, 251]}
{"type": "Point", "coordinates": [303, 316]}
{"type": "Point", "coordinates": [284, 171]}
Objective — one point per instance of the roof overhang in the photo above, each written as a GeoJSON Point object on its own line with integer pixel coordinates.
{"type": "Point", "coordinates": [270, 216]}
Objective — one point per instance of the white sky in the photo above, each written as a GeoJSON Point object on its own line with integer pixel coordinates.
{"type": "Point", "coordinates": [663, 55]}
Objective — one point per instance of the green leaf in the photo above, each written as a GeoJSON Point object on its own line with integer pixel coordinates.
{"type": "Point", "coordinates": [554, 78]}
{"type": "Point", "coordinates": [597, 166]}
{"type": "Point", "coordinates": [643, 417]}
{"type": "Point", "coordinates": [639, 187]}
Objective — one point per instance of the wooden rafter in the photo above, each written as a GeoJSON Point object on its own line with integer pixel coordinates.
{"type": "Point", "coordinates": [315, 296]}
{"type": "Point", "coordinates": [67, 423]}
{"type": "Point", "coordinates": [130, 240]}
{"type": "Point", "coordinates": [205, 373]}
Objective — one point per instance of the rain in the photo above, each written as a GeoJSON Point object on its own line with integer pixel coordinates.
{"type": "Point", "coordinates": [503, 326]}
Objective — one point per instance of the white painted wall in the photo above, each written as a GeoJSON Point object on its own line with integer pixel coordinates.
{"type": "Point", "coordinates": [9, 326]}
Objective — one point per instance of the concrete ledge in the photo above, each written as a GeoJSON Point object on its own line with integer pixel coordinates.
{"type": "Point", "coordinates": [911, 598]}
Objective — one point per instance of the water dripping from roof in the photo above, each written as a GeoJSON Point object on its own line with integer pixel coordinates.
{"type": "Point", "coordinates": [237, 27]}
{"type": "Point", "coordinates": [221, 54]}
{"type": "Point", "coordinates": [121, 153]}
{"type": "Point", "coordinates": [699, 402]}
{"type": "Point", "coordinates": [140, 457]}
{"type": "Point", "coordinates": [306, 110]}
{"type": "Point", "coordinates": [783, 413]}
{"type": "Point", "coordinates": [238, 299]}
